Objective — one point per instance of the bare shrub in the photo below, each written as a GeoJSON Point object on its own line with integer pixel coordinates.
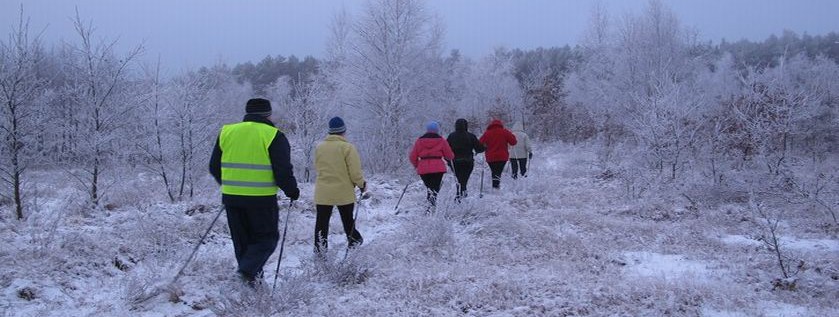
{"type": "Point", "coordinates": [245, 302]}
{"type": "Point", "coordinates": [429, 236]}
{"type": "Point", "coordinates": [291, 293]}
{"type": "Point", "coordinates": [767, 223]}
{"type": "Point", "coordinates": [137, 289]}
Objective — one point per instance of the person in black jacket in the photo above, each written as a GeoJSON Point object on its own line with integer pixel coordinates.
{"type": "Point", "coordinates": [465, 145]}
{"type": "Point", "coordinates": [245, 157]}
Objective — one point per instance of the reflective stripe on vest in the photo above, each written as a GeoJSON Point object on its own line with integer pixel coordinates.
{"type": "Point", "coordinates": [245, 163]}
{"type": "Point", "coordinates": [247, 166]}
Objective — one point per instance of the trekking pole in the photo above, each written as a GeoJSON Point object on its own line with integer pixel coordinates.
{"type": "Point", "coordinates": [357, 210]}
{"type": "Point", "coordinates": [396, 208]}
{"type": "Point", "coordinates": [197, 246]}
{"type": "Point", "coordinates": [527, 164]}
{"type": "Point", "coordinates": [358, 202]}
{"type": "Point", "coordinates": [354, 218]}
{"type": "Point", "coordinates": [183, 267]}
{"type": "Point", "coordinates": [481, 194]}
{"type": "Point", "coordinates": [282, 245]}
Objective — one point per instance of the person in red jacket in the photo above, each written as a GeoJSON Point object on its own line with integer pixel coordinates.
{"type": "Point", "coordinates": [496, 139]}
{"type": "Point", "coordinates": [427, 157]}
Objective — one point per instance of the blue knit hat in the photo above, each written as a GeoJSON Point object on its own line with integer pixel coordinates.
{"type": "Point", "coordinates": [432, 126]}
{"type": "Point", "coordinates": [337, 126]}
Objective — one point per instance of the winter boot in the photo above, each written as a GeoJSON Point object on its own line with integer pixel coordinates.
{"type": "Point", "coordinates": [355, 240]}
{"type": "Point", "coordinates": [253, 282]}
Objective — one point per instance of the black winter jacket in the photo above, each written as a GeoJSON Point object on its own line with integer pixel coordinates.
{"type": "Point", "coordinates": [463, 142]}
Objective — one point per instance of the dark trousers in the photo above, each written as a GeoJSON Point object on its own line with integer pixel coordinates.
{"type": "Point", "coordinates": [255, 235]}
{"type": "Point", "coordinates": [496, 168]}
{"type": "Point", "coordinates": [517, 164]}
{"type": "Point", "coordinates": [432, 183]}
{"type": "Point", "coordinates": [462, 170]}
{"type": "Point", "coordinates": [324, 213]}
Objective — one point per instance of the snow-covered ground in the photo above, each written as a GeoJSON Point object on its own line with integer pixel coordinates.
{"type": "Point", "coordinates": [563, 242]}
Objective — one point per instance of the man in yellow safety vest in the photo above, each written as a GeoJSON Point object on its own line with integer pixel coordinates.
{"type": "Point", "coordinates": [252, 161]}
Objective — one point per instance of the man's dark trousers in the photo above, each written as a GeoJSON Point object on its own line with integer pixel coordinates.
{"type": "Point", "coordinates": [255, 235]}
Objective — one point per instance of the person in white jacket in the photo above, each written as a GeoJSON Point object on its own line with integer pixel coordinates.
{"type": "Point", "coordinates": [520, 152]}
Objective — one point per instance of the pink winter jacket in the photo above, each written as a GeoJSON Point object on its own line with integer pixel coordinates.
{"type": "Point", "coordinates": [428, 154]}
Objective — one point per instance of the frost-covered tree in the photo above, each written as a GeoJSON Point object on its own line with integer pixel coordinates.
{"type": "Point", "coordinates": [454, 84]}
{"type": "Point", "coordinates": [720, 85]}
{"type": "Point", "coordinates": [306, 106]}
{"type": "Point", "coordinates": [156, 146]}
{"type": "Point", "coordinates": [177, 126]}
{"type": "Point", "coordinates": [182, 117]}
{"type": "Point", "coordinates": [641, 83]}
{"type": "Point", "coordinates": [591, 84]}
{"type": "Point", "coordinates": [21, 91]}
{"type": "Point", "coordinates": [598, 33]}
{"type": "Point", "coordinates": [493, 91]}
{"type": "Point", "coordinates": [773, 108]}
{"type": "Point", "coordinates": [815, 127]}
{"type": "Point", "coordinates": [96, 115]}
{"type": "Point", "coordinates": [547, 114]}
{"type": "Point", "coordinates": [192, 122]}
{"type": "Point", "coordinates": [226, 98]}
{"type": "Point", "coordinates": [389, 54]}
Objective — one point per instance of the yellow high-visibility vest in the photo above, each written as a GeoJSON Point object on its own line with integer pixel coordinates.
{"type": "Point", "coordinates": [245, 163]}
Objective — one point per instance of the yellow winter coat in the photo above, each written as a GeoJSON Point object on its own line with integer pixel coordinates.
{"type": "Point", "coordinates": [339, 172]}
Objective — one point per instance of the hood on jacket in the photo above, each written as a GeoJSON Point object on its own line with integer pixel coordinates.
{"type": "Point", "coordinates": [429, 141]}
{"type": "Point", "coordinates": [461, 125]}
{"type": "Point", "coordinates": [518, 126]}
{"type": "Point", "coordinates": [495, 124]}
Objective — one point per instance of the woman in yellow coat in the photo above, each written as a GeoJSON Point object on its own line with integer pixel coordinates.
{"type": "Point", "coordinates": [338, 169]}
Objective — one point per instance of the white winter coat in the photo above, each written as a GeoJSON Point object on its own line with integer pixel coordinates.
{"type": "Point", "coordinates": [522, 148]}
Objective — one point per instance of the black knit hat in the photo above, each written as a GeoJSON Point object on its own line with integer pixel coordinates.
{"type": "Point", "coordinates": [258, 106]}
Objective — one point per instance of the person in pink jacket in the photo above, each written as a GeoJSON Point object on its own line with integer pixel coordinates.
{"type": "Point", "coordinates": [427, 157]}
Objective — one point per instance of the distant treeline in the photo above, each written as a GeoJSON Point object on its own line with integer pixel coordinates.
{"type": "Point", "coordinates": [768, 53]}
{"type": "Point", "coordinates": [263, 74]}
{"type": "Point", "coordinates": [559, 60]}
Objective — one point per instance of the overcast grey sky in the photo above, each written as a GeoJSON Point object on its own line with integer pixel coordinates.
{"type": "Point", "coordinates": [194, 33]}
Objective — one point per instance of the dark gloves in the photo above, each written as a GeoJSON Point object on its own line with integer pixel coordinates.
{"type": "Point", "coordinates": [364, 193]}
{"type": "Point", "coordinates": [293, 194]}
{"type": "Point", "coordinates": [530, 156]}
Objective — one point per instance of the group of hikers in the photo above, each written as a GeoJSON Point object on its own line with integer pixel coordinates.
{"type": "Point", "coordinates": [251, 161]}
{"type": "Point", "coordinates": [431, 154]}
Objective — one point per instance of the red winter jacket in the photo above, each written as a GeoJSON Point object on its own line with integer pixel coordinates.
{"type": "Point", "coordinates": [428, 154]}
{"type": "Point", "coordinates": [497, 138]}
